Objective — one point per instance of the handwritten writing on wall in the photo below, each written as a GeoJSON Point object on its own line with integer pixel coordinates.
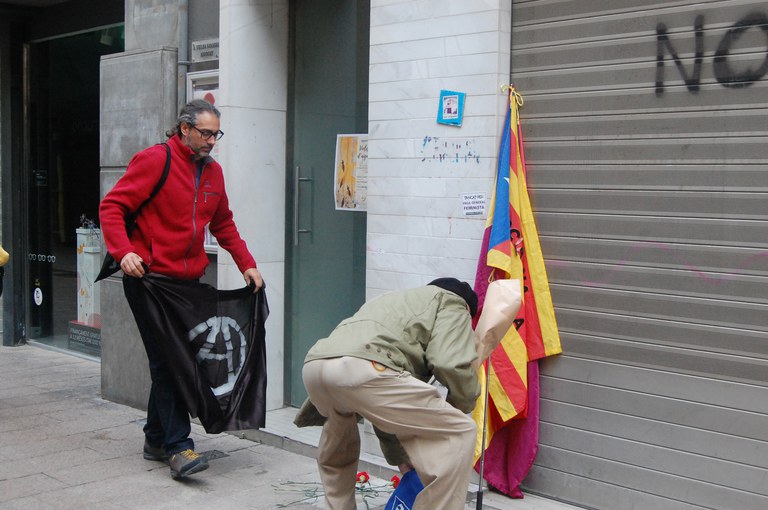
{"type": "Point", "coordinates": [437, 150]}
{"type": "Point", "coordinates": [724, 72]}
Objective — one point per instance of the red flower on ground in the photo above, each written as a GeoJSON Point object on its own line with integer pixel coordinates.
{"type": "Point", "coordinates": [395, 481]}
{"type": "Point", "coordinates": [362, 477]}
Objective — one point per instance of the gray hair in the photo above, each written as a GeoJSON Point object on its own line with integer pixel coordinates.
{"type": "Point", "coordinates": [189, 113]}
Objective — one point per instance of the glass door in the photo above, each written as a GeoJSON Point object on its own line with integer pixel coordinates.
{"type": "Point", "coordinates": [62, 76]}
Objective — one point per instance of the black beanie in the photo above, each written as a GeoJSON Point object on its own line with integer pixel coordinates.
{"type": "Point", "coordinates": [460, 289]}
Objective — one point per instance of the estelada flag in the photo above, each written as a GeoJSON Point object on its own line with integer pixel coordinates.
{"type": "Point", "coordinates": [214, 344]}
{"type": "Point", "coordinates": [511, 249]}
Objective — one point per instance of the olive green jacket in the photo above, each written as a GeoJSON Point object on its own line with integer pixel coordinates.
{"type": "Point", "coordinates": [426, 331]}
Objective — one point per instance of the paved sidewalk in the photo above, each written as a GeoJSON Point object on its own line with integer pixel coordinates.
{"type": "Point", "coordinates": [63, 447]}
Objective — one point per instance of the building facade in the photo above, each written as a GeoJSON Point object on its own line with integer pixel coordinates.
{"type": "Point", "coordinates": [645, 132]}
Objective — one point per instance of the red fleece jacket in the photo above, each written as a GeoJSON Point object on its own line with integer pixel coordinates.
{"type": "Point", "coordinates": [169, 231]}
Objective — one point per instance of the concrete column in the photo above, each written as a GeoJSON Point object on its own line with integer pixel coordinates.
{"type": "Point", "coordinates": [253, 84]}
{"type": "Point", "coordinates": [138, 104]}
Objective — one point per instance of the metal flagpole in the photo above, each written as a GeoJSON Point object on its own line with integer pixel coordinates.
{"type": "Point", "coordinates": [485, 431]}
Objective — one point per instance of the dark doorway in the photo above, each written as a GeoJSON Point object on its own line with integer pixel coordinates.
{"type": "Point", "coordinates": [62, 131]}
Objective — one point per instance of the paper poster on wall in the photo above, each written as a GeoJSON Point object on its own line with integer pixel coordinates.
{"type": "Point", "coordinates": [473, 204]}
{"type": "Point", "coordinates": [351, 173]}
{"type": "Point", "coordinates": [451, 107]}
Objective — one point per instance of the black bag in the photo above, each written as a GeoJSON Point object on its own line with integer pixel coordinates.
{"type": "Point", "coordinates": [110, 266]}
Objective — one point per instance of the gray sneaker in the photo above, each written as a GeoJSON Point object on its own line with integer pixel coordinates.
{"type": "Point", "coordinates": [187, 463]}
{"type": "Point", "coordinates": [154, 452]}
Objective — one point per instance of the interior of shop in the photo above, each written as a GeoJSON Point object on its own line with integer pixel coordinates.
{"type": "Point", "coordinates": [63, 162]}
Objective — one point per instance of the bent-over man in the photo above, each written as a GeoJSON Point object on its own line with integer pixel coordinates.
{"type": "Point", "coordinates": [377, 364]}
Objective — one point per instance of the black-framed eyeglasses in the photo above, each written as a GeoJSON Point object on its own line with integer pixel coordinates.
{"type": "Point", "coordinates": [207, 133]}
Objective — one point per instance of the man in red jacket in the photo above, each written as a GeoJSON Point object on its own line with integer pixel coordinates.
{"type": "Point", "coordinates": [168, 239]}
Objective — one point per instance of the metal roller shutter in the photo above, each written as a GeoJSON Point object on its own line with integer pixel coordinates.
{"type": "Point", "coordinates": [646, 129]}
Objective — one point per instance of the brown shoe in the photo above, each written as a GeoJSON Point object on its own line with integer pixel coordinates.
{"type": "Point", "coordinates": [187, 463]}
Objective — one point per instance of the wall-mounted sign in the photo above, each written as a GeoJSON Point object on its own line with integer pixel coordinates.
{"type": "Point", "coordinates": [205, 50]}
{"type": "Point", "coordinates": [451, 108]}
{"type": "Point", "coordinates": [473, 204]}
{"type": "Point", "coordinates": [204, 85]}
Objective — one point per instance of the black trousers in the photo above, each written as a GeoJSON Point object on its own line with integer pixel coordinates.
{"type": "Point", "coordinates": [168, 423]}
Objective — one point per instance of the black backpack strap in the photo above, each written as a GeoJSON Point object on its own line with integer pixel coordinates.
{"type": "Point", "coordinates": [163, 177]}
{"type": "Point", "coordinates": [158, 186]}
{"type": "Point", "coordinates": [110, 266]}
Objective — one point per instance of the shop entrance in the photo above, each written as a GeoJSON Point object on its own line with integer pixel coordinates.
{"type": "Point", "coordinates": [62, 166]}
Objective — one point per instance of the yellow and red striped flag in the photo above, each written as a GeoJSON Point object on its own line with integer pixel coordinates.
{"type": "Point", "coordinates": [511, 249]}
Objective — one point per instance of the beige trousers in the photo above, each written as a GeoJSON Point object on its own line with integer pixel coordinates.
{"type": "Point", "coordinates": [438, 438]}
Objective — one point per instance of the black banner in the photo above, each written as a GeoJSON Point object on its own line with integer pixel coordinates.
{"type": "Point", "coordinates": [214, 342]}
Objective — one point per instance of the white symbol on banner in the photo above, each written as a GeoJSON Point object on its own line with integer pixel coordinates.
{"type": "Point", "coordinates": [400, 505]}
{"type": "Point", "coordinates": [228, 328]}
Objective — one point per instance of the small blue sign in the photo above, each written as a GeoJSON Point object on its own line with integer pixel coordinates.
{"type": "Point", "coordinates": [451, 108]}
